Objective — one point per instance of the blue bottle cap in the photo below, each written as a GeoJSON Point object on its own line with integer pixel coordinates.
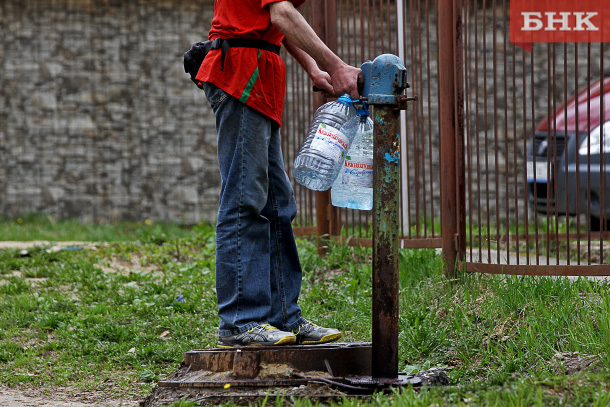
{"type": "Point", "coordinates": [345, 99]}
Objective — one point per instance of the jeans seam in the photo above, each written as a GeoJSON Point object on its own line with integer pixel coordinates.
{"type": "Point", "coordinates": [239, 213]}
{"type": "Point", "coordinates": [278, 239]}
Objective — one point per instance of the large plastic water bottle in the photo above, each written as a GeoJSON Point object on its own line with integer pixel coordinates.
{"type": "Point", "coordinates": [323, 151]}
{"type": "Point", "coordinates": [353, 188]}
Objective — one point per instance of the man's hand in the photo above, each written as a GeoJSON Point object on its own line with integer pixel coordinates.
{"type": "Point", "coordinates": [344, 79]}
{"type": "Point", "coordinates": [322, 81]}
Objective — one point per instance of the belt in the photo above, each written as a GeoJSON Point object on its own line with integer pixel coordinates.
{"type": "Point", "coordinates": [195, 56]}
{"type": "Point", "coordinates": [225, 44]}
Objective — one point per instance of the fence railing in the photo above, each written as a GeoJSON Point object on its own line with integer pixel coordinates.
{"type": "Point", "coordinates": [535, 198]}
{"type": "Point", "coordinates": [498, 165]}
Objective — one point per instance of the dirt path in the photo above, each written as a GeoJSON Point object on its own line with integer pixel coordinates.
{"type": "Point", "coordinates": [15, 397]}
{"type": "Point", "coordinates": [34, 243]}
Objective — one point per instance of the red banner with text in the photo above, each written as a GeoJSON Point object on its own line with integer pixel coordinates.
{"type": "Point", "coordinates": [559, 21]}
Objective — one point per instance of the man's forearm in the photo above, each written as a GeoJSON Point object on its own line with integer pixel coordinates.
{"type": "Point", "coordinates": [298, 32]}
{"type": "Point", "coordinates": [342, 79]}
{"type": "Point", "coordinates": [321, 79]}
{"type": "Point", "coordinates": [301, 56]}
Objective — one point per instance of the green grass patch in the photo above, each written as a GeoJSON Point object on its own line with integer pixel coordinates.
{"type": "Point", "coordinates": [108, 318]}
{"type": "Point", "coordinates": [31, 227]}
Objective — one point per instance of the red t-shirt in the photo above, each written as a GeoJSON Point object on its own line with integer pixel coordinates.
{"type": "Point", "coordinates": [255, 77]}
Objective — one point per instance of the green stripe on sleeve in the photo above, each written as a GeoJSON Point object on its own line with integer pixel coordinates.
{"type": "Point", "coordinates": [250, 85]}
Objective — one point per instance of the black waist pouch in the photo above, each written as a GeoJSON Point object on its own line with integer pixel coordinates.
{"type": "Point", "coordinates": [193, 58]}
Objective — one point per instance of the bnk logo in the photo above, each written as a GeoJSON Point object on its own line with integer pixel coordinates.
{"type": "Point", "coordinates": [559, 21]}
{"type": "Point", "coordinates": [563, 21]}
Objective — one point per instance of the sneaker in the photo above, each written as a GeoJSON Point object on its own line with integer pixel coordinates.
{"type": "Point", "coordinates": [259, 335]}
{"type": "Point", "coordinates": [310, 333]}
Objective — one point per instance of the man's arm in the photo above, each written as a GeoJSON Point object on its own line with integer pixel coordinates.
{"type": "Point", "coordinates": [320, 78]}
{"type": "Point", "coordinates": [300, 35]}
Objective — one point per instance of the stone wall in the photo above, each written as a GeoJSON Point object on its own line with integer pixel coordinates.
{"type": "Point", "coordinates": [99, 121]}
{"type": "Point", "coordinates": [97, 118]}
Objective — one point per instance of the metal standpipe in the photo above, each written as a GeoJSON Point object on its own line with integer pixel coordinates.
{"type": "Point", "coordinates": [388, 80]}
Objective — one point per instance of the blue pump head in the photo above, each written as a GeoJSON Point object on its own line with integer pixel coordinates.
{"type": "Point", "coordinates": [366, 76]}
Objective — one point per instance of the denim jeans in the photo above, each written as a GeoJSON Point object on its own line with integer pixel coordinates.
{"type": "Point", "coordinates": [258, 273]}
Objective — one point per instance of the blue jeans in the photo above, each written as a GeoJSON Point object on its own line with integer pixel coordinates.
{"type": "Point", "coordinates": [258, 273]}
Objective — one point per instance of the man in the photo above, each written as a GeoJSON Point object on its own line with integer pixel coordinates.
{"type": "Point", "coordinates": [258, 273]}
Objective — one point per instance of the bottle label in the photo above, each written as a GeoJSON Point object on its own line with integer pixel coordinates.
{"type": "Point", "coordinates": [357, 172]}
{"type": "Point", "coordinates": [330, 142]}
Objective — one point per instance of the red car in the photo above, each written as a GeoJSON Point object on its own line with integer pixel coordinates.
{"type": "Point", "coordinates": [568, 162]}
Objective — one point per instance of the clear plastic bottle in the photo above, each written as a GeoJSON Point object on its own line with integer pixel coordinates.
{"type": "Point", "coordinates": [353, 188]}
{"type": "Point", "coordinates": [323, 151]}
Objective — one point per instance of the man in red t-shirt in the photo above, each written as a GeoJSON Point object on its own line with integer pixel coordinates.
{"type": "Point", "coordinates": [258, 273]}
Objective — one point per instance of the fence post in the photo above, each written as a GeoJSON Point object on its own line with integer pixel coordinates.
{"type": "Point", "coordinates": [451, 137]}
{"type": "Point", "coordinates": [324, 24]}
{"type": "Point", "coordinates": [459, 131]}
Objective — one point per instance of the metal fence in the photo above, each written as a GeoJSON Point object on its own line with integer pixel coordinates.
{"type": "Point", "coordinates": [536, 190]}
{"type": "Point", "coordinates": [499, 165]}
{"type": "Point", "coordinates": [366, 29]}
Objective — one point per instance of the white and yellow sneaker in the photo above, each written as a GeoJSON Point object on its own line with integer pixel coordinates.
{"type": "Point", "coordinates": [311, 334]}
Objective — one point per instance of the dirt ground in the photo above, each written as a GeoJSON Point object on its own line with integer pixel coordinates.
{"type": "Point", "coordinates": [16, 397]}
{"type": "Point", "coordinates": [34, 243]}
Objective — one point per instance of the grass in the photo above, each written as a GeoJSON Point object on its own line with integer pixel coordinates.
{"type": "Point", "coordinates": [43, 227]}
{"type": "Point", "coordinates": [108, 319]}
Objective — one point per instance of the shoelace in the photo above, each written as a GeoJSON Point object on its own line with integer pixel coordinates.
{"type": "Point", "coordinates": [264, 326]}
{"type": "Point", "coordinates": [306, 324]}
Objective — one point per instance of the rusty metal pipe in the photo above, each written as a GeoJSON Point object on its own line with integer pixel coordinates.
{"type": "Point", "coordinates": [385, 242]}
{"type": "Point", "coordinates": [387, 81]}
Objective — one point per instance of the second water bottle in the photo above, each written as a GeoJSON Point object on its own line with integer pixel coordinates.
{"type": "Point", "coordinates": [353, 188]}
